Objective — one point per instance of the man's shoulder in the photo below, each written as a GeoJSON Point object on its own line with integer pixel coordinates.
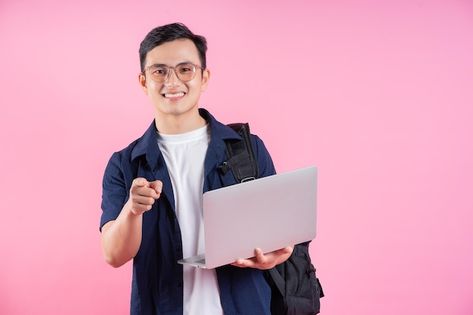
{"type": "Point", "coordinates": [126, 151]}
{"type": "Point", "coordinates": [124, 154]}
{"type": "Point", "coordinates": [137, 146]}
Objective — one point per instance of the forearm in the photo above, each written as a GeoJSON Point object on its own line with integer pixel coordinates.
{"type": "Point", "coordinates": [121, 238]}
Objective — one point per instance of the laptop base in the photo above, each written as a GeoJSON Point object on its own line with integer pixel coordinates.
{"type": "Point", "coordinates": [195, 261]}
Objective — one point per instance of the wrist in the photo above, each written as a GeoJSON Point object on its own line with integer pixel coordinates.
{"type": "Point", "coordinates": [129, 211]}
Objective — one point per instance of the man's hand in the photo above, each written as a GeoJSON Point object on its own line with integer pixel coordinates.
{"type": "Point", "coordinates": [143, 194]}
{"type": "Point", "coordinates": [265, 261]}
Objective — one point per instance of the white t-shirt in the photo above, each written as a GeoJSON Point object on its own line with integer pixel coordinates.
{"type": "Point", "coordinates": [184, 155]}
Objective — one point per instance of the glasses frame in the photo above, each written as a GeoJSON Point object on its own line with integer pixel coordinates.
{"type": "Point", "coordinates": [195, 67]}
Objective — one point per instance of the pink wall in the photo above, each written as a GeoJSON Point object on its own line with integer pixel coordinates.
{"type": "Point", "coordinates": [378, 95]}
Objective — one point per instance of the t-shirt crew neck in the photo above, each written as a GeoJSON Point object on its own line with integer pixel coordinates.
{"type": "Point", "coordinates": [193, 135]}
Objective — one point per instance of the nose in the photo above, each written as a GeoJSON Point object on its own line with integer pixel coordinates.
{"type": "Point", "coordinates": [171, 78]}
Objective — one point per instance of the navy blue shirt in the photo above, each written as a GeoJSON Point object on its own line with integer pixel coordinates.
{"type": "Point", "coordinates": [157, 284]}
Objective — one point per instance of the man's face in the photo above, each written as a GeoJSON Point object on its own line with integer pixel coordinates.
{"type": "Point", "coordinates": [173, 96]}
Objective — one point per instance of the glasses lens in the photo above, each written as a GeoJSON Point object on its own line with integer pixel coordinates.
{"type": "Point", "coordinates": [185, 71]}
{"type": "Point", "coordinates": [158, 73]}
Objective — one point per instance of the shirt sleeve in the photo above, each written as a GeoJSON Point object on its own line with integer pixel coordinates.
{"type": "Point", "coordinates": [114, 191]}
{"type": "Point", "coordinates": [265, 163]}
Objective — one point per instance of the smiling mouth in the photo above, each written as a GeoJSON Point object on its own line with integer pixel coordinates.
{"type": "Point", "coordinates": [173, 95]}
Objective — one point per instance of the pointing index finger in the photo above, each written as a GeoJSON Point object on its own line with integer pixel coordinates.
{"type": "Point", "coordinates": [157, 187]}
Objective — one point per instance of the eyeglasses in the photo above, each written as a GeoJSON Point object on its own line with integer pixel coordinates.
{"type": "Point", "coordinates": [160, 73]}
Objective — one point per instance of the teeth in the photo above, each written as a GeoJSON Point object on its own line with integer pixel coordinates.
{"type": "Point", "coordinates": [174, 94]}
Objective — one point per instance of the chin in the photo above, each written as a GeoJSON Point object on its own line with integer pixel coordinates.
{"type": "Point", "coordinates": [174, 109]}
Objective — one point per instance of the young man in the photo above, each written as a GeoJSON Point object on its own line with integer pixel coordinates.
{"type": "Point", "coordinates": [152, 192]}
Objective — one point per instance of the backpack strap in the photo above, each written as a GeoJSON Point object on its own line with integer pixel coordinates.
{"type": "Point", "coordinates": [278, 280]}
{"type": "Point", "coordinates": [240, 156]}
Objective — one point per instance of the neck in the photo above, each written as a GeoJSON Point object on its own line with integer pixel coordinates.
{"type": "Point", "coordinates": [181, 123]}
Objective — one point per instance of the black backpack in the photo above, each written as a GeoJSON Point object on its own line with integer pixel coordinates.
{"type": "Point", "coordinates": [295, 289]}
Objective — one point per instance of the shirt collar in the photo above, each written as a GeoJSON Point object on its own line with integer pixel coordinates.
{"type": "Point", "coordinates": [147, 145]}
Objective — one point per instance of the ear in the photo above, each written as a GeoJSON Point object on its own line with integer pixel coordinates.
{"type": "Point", "coordinates": [142, 81]}
{"type": "Point", "coordinates": [205, 79]}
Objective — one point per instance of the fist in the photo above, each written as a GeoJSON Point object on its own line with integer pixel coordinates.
{"type": "Point", "coordinates": [143, 194]}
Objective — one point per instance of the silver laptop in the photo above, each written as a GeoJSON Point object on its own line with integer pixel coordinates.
{"type": "Point", "coordinates": [269, 213]}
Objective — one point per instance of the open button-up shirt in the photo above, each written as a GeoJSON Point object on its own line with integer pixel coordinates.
{"type": "Point", "coordinates": [157, 284]}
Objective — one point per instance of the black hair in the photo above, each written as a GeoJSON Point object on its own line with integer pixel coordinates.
{"type": "Point", "coordinates": [170, 32]}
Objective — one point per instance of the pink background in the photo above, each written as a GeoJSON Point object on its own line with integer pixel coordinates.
{"type": "Point", "coordinates": [377, 94]}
